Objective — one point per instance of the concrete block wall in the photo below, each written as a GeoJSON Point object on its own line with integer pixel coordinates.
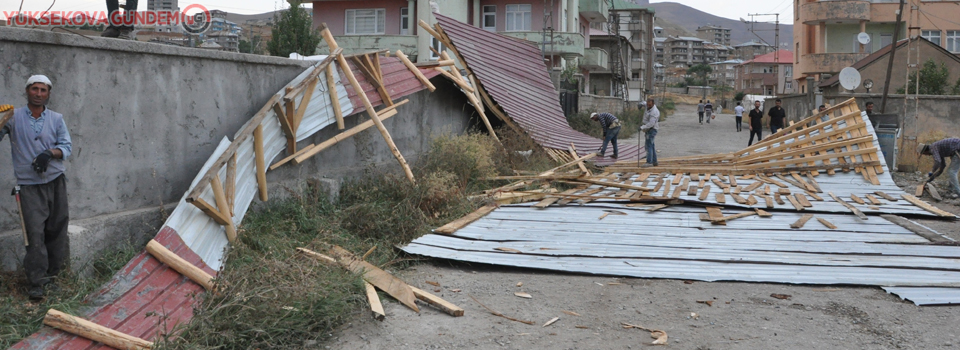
{"type": "Point", "coordinates": [144, 117]}
{"type": "Point", "coordinates": [607, 104]}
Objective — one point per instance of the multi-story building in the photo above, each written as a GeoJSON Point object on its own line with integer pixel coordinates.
{"type": "Point", "coordinates": [751, 49]}
{"type": "Point", "coordinates": [770, 74]}
{"type": "Point", "coordinates": [636, 25]}
{"type": "Point", "coordinates": [658, 47]}
{"type": "Point", "coordinates": [682, 51]}
{"type": "Point", "coordinates": [825, 32]}
{"type": "Point", "coordinates": [165, 5]}
{"type": "Point", "coordinates": [368, 25]}
{"type": "Point", "coordinates": [714, 34]}
{"type": "Point", "coordinates": [602, 82]}
{"type": "Point", "coordinates": [724, 73]}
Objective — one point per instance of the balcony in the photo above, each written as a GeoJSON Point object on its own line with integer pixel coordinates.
{"type": "Point", "coordinates": [828, 62]}
{"type": "Point", "coordinates": [354, 44]}
{"type": "Point", "coordinates": [595, 59]}
{"type": "Point", "coordinates": [634, 84]}
{"type": "Point", "coordinates": [594, 10]}
{"type": "Point", "coordinates": [638, 63]}
{"type": "Point", "coordinates": [841, 11]}
{"type": "Point", "coordinates": [566, 44]}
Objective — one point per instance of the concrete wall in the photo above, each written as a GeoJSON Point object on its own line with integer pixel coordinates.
{"type": "Point", "coordinates": [613, 105]}
{"type": "Point", "coordinates": [877, 70]}
{"type": "Point", "coordinates": [144, 117]}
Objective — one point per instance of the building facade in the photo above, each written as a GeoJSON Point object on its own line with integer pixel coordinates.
{"type": "Point", "coordinates": [724, 73]}
{"type": "Point", "coordinates": [685, 52]}
{"type": "Point", "coordinates": [770, 74]}
{"type": "Point", "coordinates": [751, 49]}
{"type": "Point", "coordinates": [825, 32]}
{"type": "Point", "coordinates": [714, 34]}
{"type": "Point", "coordinates": [165, 5]}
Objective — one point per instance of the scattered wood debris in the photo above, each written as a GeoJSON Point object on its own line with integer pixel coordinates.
{"type": "Point", "coordinates": [495, 313]}
{"type": "Point", "coordinates": [552, 321]}
{"type": "Point", "coordinates": [523, 295]}
{"type": "Point", "coordinates": [571, 313]}
{"type": "Point", "coordinates": [660, 336]}
{"type": "Point", "coordinates": [781, 296]}
{"type": "Point", "coordinates": [708, 302]}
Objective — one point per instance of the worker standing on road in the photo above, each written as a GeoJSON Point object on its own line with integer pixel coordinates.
{"type": "Point", "coordinates": [651, 123]}
{"type": "Point", "coordinates": [700, 110]}
{"type": "Point", "coordinates": [708, 111]}
{"type": "Point", "coordinates": [611, 129]}
{"type": "Point", "coordinates": [738, 111]}
{"type": "Point", "coordinates": [940, 150]}
{"type": "Point", "coordinates": [777, 115]}
{"type": "Point", "coordinates": [756, 122]}
{"type": "Point", "coordinates": [39, 142]}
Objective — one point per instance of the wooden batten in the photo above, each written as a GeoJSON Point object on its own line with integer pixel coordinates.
{"type": "Point", "coordinates": [231, 185]}
{"type": "Point", "coordinates": [191, 271]}
{"type": "Point", "coordinates": [457, 224]}
{"type": "Point", "coordinates": [287, 128]}
{"type": "Point", "coordinates": [261, 163]}
{"type": "Point", "coordinates": [376, 308]}
{"type": "Point", "coordinates": [224, 208]}
{"type": "Point", "coordinates": [92, 331]}
{"type": "Point", "coordinates": [436, 301]}
{"type": "Point", "coordinates": [416, 71]}
{"type": "Point", "coordinates": [334, 98]}
{"type": "Point", "coordinates": [312, 150]}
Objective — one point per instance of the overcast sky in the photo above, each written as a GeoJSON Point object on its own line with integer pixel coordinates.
{"type": "Point", "coordinates": [729, 9]}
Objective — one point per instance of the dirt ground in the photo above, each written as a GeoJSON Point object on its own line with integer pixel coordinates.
{"type": "Point", "coordinates": [742, 315]}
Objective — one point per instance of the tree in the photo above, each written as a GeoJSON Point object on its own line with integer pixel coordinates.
{"type": "Point", "coordinates": [700, 71]}
{"type": "Point", "coordinates": [293, 32]}
{"type": "Point", "coordinates": [933, 80]}
{"type": "Point", "coordinates": [739, 96]}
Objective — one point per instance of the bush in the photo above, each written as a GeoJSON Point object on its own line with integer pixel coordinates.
{"type": "Point", "coordinates": [739, 96]}
{"type": "Point", "coordinates": [629, 120]}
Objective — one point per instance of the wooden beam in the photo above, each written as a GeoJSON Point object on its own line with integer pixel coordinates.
{"type": "Point", "coordinates": [377, 277]}
{"type": "Point", "coordinates": [231, 230]}
{"type": "Point", "coordinates": [936, 211]}
{"type": "Point", "coordinates": [437, 302]}
{"type": "Point", "coordinates": [231, 185]}
{"type": "Point", "coordinates": [375, 307]}
{"type": "Point", "coordinates": [317, 70]}
{"type": "Point", "coordinates": [852, 209]}
{"type": "Point", "coordinates": [314, 149]}
{"type": "Point", "coordinates": [372, 78]}
{"type": "Point", "coordinates": [457, 224]}
{"type": "Point", "coordinates": [564, 165]}
{"type": "Point", "coordinates": [302, 107]}
{"type": "Point", "coordinates": [287, 128]}
{"type": "Point", "coordinates": [92, 331]}
{"type": "Point", "coordinates": [334, 98]}
{"type": "Point", "coordinates": [460, 82]}
{"type": "Point", "coordinates": [369, 107]}
{"type": "Point", "coordinates": [573, 153]}
{"type": "Point", "coordinates": [416, 71]}
{"type": "Point", "coordinates": [191, 271]}
{"type": "Point", "coordinates": [212, 212]}
{"type": "Point", "coordinates": [261, 163]}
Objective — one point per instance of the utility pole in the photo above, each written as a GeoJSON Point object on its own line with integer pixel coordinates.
{"type": "Point", "coordinates": [893, 50]}
{"type": "Point", "coordinates": [776, 47]}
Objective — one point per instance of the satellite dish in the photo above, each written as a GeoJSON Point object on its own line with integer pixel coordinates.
{"type": "Point", "coordinates": [863, 38]}
{"type": "Point", "coordinates": [849, 78]}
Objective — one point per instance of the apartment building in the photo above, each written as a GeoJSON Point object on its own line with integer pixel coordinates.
{"type": "Point", "coordinates": [636, 25]}
{"type": "Point", "coordinates": [825, 32]}
{"type": "Point", "coordinates": [165, 5]}
{"type": "Point", "coordinates": [724, 73]}
{"type": "Point", "coordinates": [685, 52]}
{"type": "Point", "coordinates": [751, 49]}
{"type": "Point", "coordinates": [714, 34]}
{"type": "Point", "coordinates": [769, 74]}
{"type": "Point", "coordinates": [367, 25]}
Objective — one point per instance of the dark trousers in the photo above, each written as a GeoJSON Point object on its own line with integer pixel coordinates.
{"type": "Point", "coordinates": [45, 218]}
{"type": "Point", "coordinates": [775, 128]}
{"type": "Point", "coordinates": [739, 123]}
{"type": "Point", "coordinates": [755, 131]}
{"type": "Point", "coordinates": [129, 10]}
{"type": "Point", "coordinates": [701, 117]}
{"type": "Point", "coordinates": [611, 137]}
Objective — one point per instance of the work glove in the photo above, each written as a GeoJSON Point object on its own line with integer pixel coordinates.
{"type": "Point", "coordinates": [41, 162]}
{"type": "Point", "coordinates": [930, 177]}
{"type": "Point", "coordinates": [4, 108]}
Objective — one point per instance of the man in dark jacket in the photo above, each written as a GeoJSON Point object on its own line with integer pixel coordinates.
{"type": "Point", "coordinates": [611, 129]}
{"type": "Point", "coordinates": [39, 142]}
{"type": "Point", "coordinates": [777, 115]}
{"type": "Point", "coordinates": [940, 150]}
{"type": "Point", "coordinates": [756, 122]}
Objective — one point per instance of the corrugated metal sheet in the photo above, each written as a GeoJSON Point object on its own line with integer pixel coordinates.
{"type": "Point", "coordinates": [926, 296]}
{"type": "Point", "coordinates": [514, 75]}
{"type": "Point", "coordinates": [675, 243]}
{"type": "Point", "coordinates": [146, 286]}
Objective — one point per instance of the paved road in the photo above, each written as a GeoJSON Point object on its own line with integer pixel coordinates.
{"type": "Point", "coordinates": [683, 135]}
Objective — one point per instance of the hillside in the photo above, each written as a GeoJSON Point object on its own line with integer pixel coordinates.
{"type": "Point", "coordinates": [690, 18]}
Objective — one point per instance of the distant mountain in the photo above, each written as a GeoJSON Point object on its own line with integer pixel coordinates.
{"type": "Point", "coordinates": [690, 18]}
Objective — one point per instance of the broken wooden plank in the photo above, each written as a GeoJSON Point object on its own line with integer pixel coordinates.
{"type": "Point", "coordinates": [416, 71]}
{"type": "Point", "coordinates": [457, 224]}
{"type": "Point", "coordinates": [919, 191]}
{"type": "Point", "coordinates": [762, 213]}
{"type": "Point", "coordinates": [692, 190]}
{"type": "Point", "coordinates": [853, 209]}
{"type": "Point", "coordinates": [721, 198]}
{"type": "Point", "coordinates": [936, 211]}
{"type": "Point", "coordinates": [815, 196]}
{"type": "Point", "coordinates": [796, 204]}
{"type": "Point", "coordinates": [827, 223]}
{"type": "Point", "coordinates": [377, 277]}
{"type": "Point", "coordinates": [546, 202]}
{"type": "Point", "coordinates": [768, 201]}
{"type": "Point", "coordinates": [376, 308]}
{"type": "Point", "coordinates": [776, 195]}
{"type": "Point", "coordinates": [443, 305]}
{"type": "Point", "coordinates": [751, 200]}
{"type": "Point", "coordinates": [715, 214]}
{"type": "Point", "coordinates": [856, 199]}
{"type": "Point", "coordinates": [676, 178]}
{"type": "Point", "coordinates": [733, 180]}
{"type": "Point", "coordinates": [802, 221]}
{"type": "Point", "coordinates": [802, 199]}
{"type": "Point", "coordinates": [733, 217]}
{"type": "Point", "coordinates": [873, 200]}
{"type": "Point", "coordinates": [739, 199]}
{"type": "Point", "coordinates": [885, 196]}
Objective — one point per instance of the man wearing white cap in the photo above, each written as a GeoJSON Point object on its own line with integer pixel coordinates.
{"type": "Point", "coordinates": [39, 142]}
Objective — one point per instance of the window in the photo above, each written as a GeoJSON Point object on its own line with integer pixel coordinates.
{"type": "Point", "coordinates": [365, 21]}
{"type": "Point", "coordinates": [886, 39]}
{"type": "Point", "coordinates": [490, 18]}
{"type": "Point", "coordinates": [404, 18]}
{"type": "Point", "coordinates": [932, 35]}
{"type": "Point", "coordinates": [953, 41]}
{"type": "Point", "coordinates": [436, 46]}
{"type": "Point", "coordinates": [796, 54]}
{"type": "Point", "coordinates": [518, 17]}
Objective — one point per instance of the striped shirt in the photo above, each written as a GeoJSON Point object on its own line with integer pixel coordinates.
{"type": "Point", "coordinates": [941, 149]}
{"type": "Point", "coordinates": [606, 119]}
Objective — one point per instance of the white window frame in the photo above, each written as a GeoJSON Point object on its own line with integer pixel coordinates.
{"type": "Point", "coordinates": [518, 14]}
{"type": "Point", "coordinates": [492, 15]}
{"type": "Point", "coordinates": [953, 41]}
{"type": "Point", "coordinates": [350, 16]}
{"type": "Point", "coordinates": [929, 35]}
{"type": "Point", "coordinates": [437, 45]}
{"type": "Point", "coordinates": [404, 18]}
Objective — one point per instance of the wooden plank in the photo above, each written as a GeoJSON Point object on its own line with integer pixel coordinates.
{"type": "Point", "coordinates": [753, 186]}
{"type": "Point", "coordinates": [721, 198]}
{"type": "Point", "coordinates": [936, 211]}
{"type": "Point", "coordinates": [763, 213]}
{"type": "Point", "coordinates": [800, 180]}
{"type": "Point", "coordinates": [704, 193]}
{"type": "Point", "coordinates": [715, 214]}
{"type": "Point", "coordinates": [814, 182]}
{"type": "Point", "coordinates": [692, 190]}
{"type": "Point", "coordinates": [377, 277]}
{"type": "Point", "coordinates": [334, 99]}
{"type": "Point", "coordinates": [796, 204]}
{"type": "Point", "coordinates": [719, 183]}
{"type": "Point", "coordinates": [313, 150]}
{"type": "Point", "coordinates": [659, 185]}
{"type": "Point", "coordinates": [776, 196]}
{"type": "Point", "coordinates": [802, 221]}
{"type": "Point", "coordinates": [643, 177]}
{"type": "Point", "coordinates": [436, 301]}
{"type": "Point", "coordinates": [733, 217]}
{"type": "Point", "coordinates": [676, 192]}
{"type": "Point", "coordinates": [784, 191]}
{"type": "Point", "coordinates": [774, 164]}
{"type": "Point", "coordinates": [856, 199]}
{"type": "Point", "coordinates": [666, 188]}
{"type": "Point", "coordinates": [92, 331]}
{"type": "Point", "coordinates": [212, 212]}
{"type": "Point", "coordinates": [304, 102]}
{"type": "Point", "coordinates": [827, 223]}
{"type": "Point", "coordinates": [852, 209]}
{"type": "Point", "coordinates": [573, 153]}
{"type": "Point", "coordinates": [751, 200]}
{"type": "Point", "coordinates": [694, 177]}
{"type": "Point", "coordinates": [218, 194]}
{"type": "Point", "coordinates": [457, 224]}
{"type": "Point", "coordinates": [261, 165]}
{"type": "Point", "coordinates": [416, 71]}
{"type": "Point", "coordinates": [768, 201]}
{"type": "Point", "coordinates": [885, 196]}
{"type": "Point", "coordinates": [771, 181]}
{"type": "Point", "coordinates": [802, 199]}
{"type": "Point", "coordinates": [546, 202]}
{"type": "Point", "coordinates": [287, 128]}
{"type": "Point", "coordinates": [291, 157]}
{"type": "Point", "coordinates": [376, 308]}
{"type": "Point", "coordinates": [191, 271]}
{"type": "Point", "coordinates": [920, 187]}
{"type": "Point", "coordinates": [231, 185]}
{"type": "Point", "coordinates": [733, 180]}
{"type": "Point", "coordinates": [873, 200]}
{"type": "Point", "coordinates": [815, 196]}
{"type": "Point", "coordinates": [920, 230]}
{"type": "Point", "coordinates": [586, 193]}
{"type": "Point", "coordinates": [738, 198]}
{"type": "Point", "coordinates": [676, 178]}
